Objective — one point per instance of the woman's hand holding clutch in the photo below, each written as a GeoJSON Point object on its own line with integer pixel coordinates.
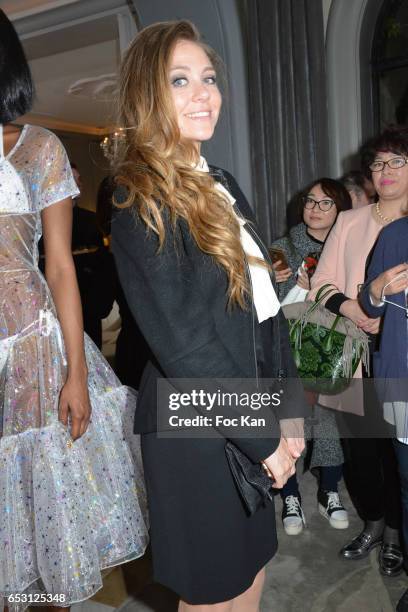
{"type": "Point", "coordinates": [280, 465]}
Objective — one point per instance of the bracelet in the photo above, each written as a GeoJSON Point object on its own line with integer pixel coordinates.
{"type": "Point", "coordinates": [267, 470]}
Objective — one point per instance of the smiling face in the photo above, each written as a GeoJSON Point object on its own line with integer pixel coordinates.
{"type": "Point", "coordinates": [196, 97]}
{"type": "Point", "coordinates": [316, 219]}
{"type": "Point", "coordinates": [390, 183]}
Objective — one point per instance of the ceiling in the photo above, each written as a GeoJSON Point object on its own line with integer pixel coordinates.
{"type": "Point", "coordinates": [54, 75]}
{"type": "Point", "coordinates": [74, 60]}
{"type": "Point", "coordinates": [23, 8]}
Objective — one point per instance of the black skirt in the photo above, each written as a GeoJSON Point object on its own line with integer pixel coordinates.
{"type": "Point", "coordinates": [204, 545]}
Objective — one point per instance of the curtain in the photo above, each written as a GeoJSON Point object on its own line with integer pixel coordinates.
{"type": "Point", "coordinates": [288, 104]}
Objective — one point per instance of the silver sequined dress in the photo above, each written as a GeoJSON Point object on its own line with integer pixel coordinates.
{"type": "Point", "coordinates": [66, 511]}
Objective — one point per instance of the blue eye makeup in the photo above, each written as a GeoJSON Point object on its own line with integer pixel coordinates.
{"type": "Point", "coordinates": [179, 81]}
{"type": "Point", "coordinates": [211, 79]}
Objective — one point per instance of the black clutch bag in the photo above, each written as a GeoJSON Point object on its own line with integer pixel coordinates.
{"type": "Point", "coordinates": [254, 486]}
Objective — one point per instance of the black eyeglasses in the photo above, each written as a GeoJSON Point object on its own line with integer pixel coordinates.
{"type": "Point", "coordinates": [324, 205]}
{"type": "Point", "coordinates": [394, 163]}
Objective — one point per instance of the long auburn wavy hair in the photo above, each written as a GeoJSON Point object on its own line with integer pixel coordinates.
{"type": "Point", "coordinates": [157, 166]}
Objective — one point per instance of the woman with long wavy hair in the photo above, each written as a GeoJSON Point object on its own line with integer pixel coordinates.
{"type": "Point", "coordinates": [197, 280]}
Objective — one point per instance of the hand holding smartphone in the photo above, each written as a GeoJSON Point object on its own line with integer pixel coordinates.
{"type": "Point", "coordinates": [278, 255]}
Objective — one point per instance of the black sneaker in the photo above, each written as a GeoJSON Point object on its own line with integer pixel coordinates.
{"type": "Point", "coordinates": [293, 518]}
{"type": "Point", "coordinates": [331, 508]}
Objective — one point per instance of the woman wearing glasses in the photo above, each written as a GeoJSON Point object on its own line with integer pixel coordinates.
{"type": "Point", "coordinates": [320, 204]}
{"type": "Point", "coordinates": [385, 294]}
{"type": "Point", "coordinates": [370, 461]}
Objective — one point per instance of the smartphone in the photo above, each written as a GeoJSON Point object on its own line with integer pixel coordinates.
{"type": "Point", "coordinates": [278, 255]}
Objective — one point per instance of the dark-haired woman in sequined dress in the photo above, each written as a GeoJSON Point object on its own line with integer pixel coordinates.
{"type": "Point", "coordinates": [69, 505]}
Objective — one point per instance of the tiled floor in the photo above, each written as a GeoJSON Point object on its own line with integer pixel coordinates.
{"type": "Point", "coordinates": [305, 576]}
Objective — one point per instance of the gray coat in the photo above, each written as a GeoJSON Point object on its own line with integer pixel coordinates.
{"type": "Point", "coordinates": [296, 246]}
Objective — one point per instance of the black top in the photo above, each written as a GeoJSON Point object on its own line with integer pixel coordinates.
{"type": "Point", "coordinates": [85, 233]}
{"type": "Point", "coordinates": [178, 297]}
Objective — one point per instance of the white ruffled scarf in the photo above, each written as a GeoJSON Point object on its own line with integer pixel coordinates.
{"type": "Point", "coordinates": [265, 300]}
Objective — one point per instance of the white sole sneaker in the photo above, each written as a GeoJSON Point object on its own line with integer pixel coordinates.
{"type": "Point", "coordinates": [336, 523]}
{"type": "Point", "coordinates": [293, 518]}
{"type": "Point", "coordinates": [293, 530]}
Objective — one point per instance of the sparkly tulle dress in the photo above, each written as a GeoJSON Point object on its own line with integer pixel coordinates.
{"type": "Point", "coordinates": [66, 510]}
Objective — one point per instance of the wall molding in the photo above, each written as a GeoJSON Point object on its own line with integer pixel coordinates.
{"type": "Point", "coordinates": [62, 16]}
{"type": "Point", "coordinates": [64, 126]}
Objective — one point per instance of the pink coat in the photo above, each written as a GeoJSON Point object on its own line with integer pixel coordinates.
{"type": "Point", "coordinates": [342, 264]}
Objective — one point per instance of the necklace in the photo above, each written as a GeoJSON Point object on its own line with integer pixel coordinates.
{"type": "Point", "coordinates": [382, 217]}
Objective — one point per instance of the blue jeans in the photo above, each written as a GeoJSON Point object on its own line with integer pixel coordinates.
{"type": "Point", "coordinates": [401, 452]}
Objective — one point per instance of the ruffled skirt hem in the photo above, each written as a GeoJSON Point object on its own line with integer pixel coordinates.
{"type": "Point", "coordinates": [32, 593]}
{"type": "Point", "coordinates": [71, 510]}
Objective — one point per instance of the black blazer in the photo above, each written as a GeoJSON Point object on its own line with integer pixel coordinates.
{"type": "Point", "coordinates": [179, 300]}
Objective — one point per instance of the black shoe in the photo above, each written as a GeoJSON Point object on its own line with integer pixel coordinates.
{"type": "Point", "coordinates": [361, 546]}
{"type": "Point", "coordinates": [391, 560]}
{"type": "Point", "coordinates": [402, 605]}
